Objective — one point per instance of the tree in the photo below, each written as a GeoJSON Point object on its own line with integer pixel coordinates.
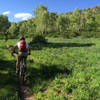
{"type": "Point", "coordinates": [31, 27]}
{"type": "Point", "coordinates": [62, 23]}
{"type": "Point", "coordinates": [13, 29]}
{"type": "Point", "coordinates": [75, 20]}
{"type": "Point", "coordinates": [38, 10]}
{"type": "Point", "coordinates": [52, 22]}
{"type": "Point", "coordinates": [90, 22]}
{"type": "Point", "coordinates": [4, 25]}
{"type": "Point", "coordinates": [42, 16]}
{"type": "Point", "coordinates": [22, 28]}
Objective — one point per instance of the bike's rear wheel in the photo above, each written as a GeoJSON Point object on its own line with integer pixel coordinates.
{"type": "Point", "coordinates": [21, 73]}
{"type": "Point", "coordinates": [22, 76]}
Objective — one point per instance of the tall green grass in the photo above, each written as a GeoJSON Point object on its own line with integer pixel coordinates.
{"type": "Point", "coordinates": [66, 69]}
{"type": "Point", "coordinates": [8, 80]}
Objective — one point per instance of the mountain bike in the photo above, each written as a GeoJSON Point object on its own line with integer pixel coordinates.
{"type": "Point", "coordinates": [21, 70]}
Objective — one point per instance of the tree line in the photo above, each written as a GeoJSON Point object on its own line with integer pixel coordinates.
{"type": "Point", "coordinates": [84, 22]}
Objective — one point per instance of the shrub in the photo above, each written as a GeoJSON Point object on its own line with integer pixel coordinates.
{"type": "Point", "coordinates": [38, 41]}
{"type": "Point", "coordinates": [90, 34]}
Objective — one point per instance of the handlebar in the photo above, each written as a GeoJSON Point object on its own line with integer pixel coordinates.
{"type": "Point", "coordinates": [12, 53]}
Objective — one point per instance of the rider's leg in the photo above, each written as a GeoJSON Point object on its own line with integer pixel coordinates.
{"type": "Point", "coordinates": [18, 63]}
{"type": "Point", "coordinates": [25, 58]}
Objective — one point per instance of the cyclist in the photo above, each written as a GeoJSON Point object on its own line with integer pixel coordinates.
{"type": "Point", "coordinates": [23, 52]}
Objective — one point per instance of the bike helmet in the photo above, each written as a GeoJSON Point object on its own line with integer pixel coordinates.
{"type": "Point", "coordinates": [22, 38]}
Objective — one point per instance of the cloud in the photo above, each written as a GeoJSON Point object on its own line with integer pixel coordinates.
{"type": "Point", "coordinates": [6, 12]}
{"type": "Point", "coordinates": [23, 16]}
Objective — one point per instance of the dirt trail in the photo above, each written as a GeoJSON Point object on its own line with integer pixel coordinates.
{"type": "Point", "coordinates": [24, 89]}
{"type": "Point", "coordinates": [25, 94]}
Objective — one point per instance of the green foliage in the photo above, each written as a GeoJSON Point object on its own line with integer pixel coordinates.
{"type": "Point", "coordinates": [67, 69]}
{"type": "Point", "coordinates": [62, 23]}
{"type": "Point", "coordinates": [13, 30]}
{"type": "Point", "coordinates": [42, 15]}
{"type": "Point", "coordinates": [70, 24]}
{"type": "Point", "coordinates": [39, 39]}
{"type": "Point", "coordinates": [52, 22]}
{"type": "Point", "coordinates": [39, 9]}
{"type": "Point", "coordinates": [4, 25]}
{"type": "Point", "coordinates": [8, 79]}
{"type": "Point", "coordinates": [90, 34]}
{"type": "Point", "coordinates": [37, 42]}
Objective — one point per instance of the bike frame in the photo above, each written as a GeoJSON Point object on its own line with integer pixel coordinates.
{"type": "Point", "coordinates": [21, 72]}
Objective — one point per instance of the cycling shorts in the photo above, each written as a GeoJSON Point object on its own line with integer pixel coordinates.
{"type": "Point", "coordinates": [22, 55]}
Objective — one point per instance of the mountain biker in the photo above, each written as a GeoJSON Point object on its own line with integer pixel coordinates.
{"type": "Point", "coordinates": [23, 52]}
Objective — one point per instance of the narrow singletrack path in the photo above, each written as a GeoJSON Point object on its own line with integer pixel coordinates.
{"type": "Point", "coordinates": [24, 92]}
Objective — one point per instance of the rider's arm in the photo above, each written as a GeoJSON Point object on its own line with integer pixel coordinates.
{"type": "Point", "coordinates": [29, 51]}
{"type": "Point", "coordinates": [14, 48]}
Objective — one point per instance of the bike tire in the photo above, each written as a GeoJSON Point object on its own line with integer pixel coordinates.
{"type": "Point", "coordinates": [22, 76]}
{"type": "Point", "coordinates": [21, 73]}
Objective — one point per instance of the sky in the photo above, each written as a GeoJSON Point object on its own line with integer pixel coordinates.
{"type": "Point", "coordinates": [18, 10]}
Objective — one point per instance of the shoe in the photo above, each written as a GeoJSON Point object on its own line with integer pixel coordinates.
{"type": "Point", "coordinates": [16, 71]}
{"type": "Point", "coordinates": [24, 78]}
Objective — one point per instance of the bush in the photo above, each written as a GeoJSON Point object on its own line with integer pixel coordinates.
{"type": "Point", "coordinates": [68, 34]}
{"type": "Point", "coordinates": [87, 34]}
{"type": "Point", "coordinates": [90, 34]}
{"type": "Point", "coordinates": [97, 34]}
{"type": "Point", "coordinates": [38, 41]}
{"type": "Point", "coordinates": [55, 34]}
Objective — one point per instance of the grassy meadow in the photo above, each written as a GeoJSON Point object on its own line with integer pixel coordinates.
{"type": "Point", "coordinates": [8, 80]}
{"type": "Point", "coordinates": [66, 69]}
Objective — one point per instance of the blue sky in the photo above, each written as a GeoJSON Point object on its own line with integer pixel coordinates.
{"type": "Point", "coordinates": [18, 10]}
